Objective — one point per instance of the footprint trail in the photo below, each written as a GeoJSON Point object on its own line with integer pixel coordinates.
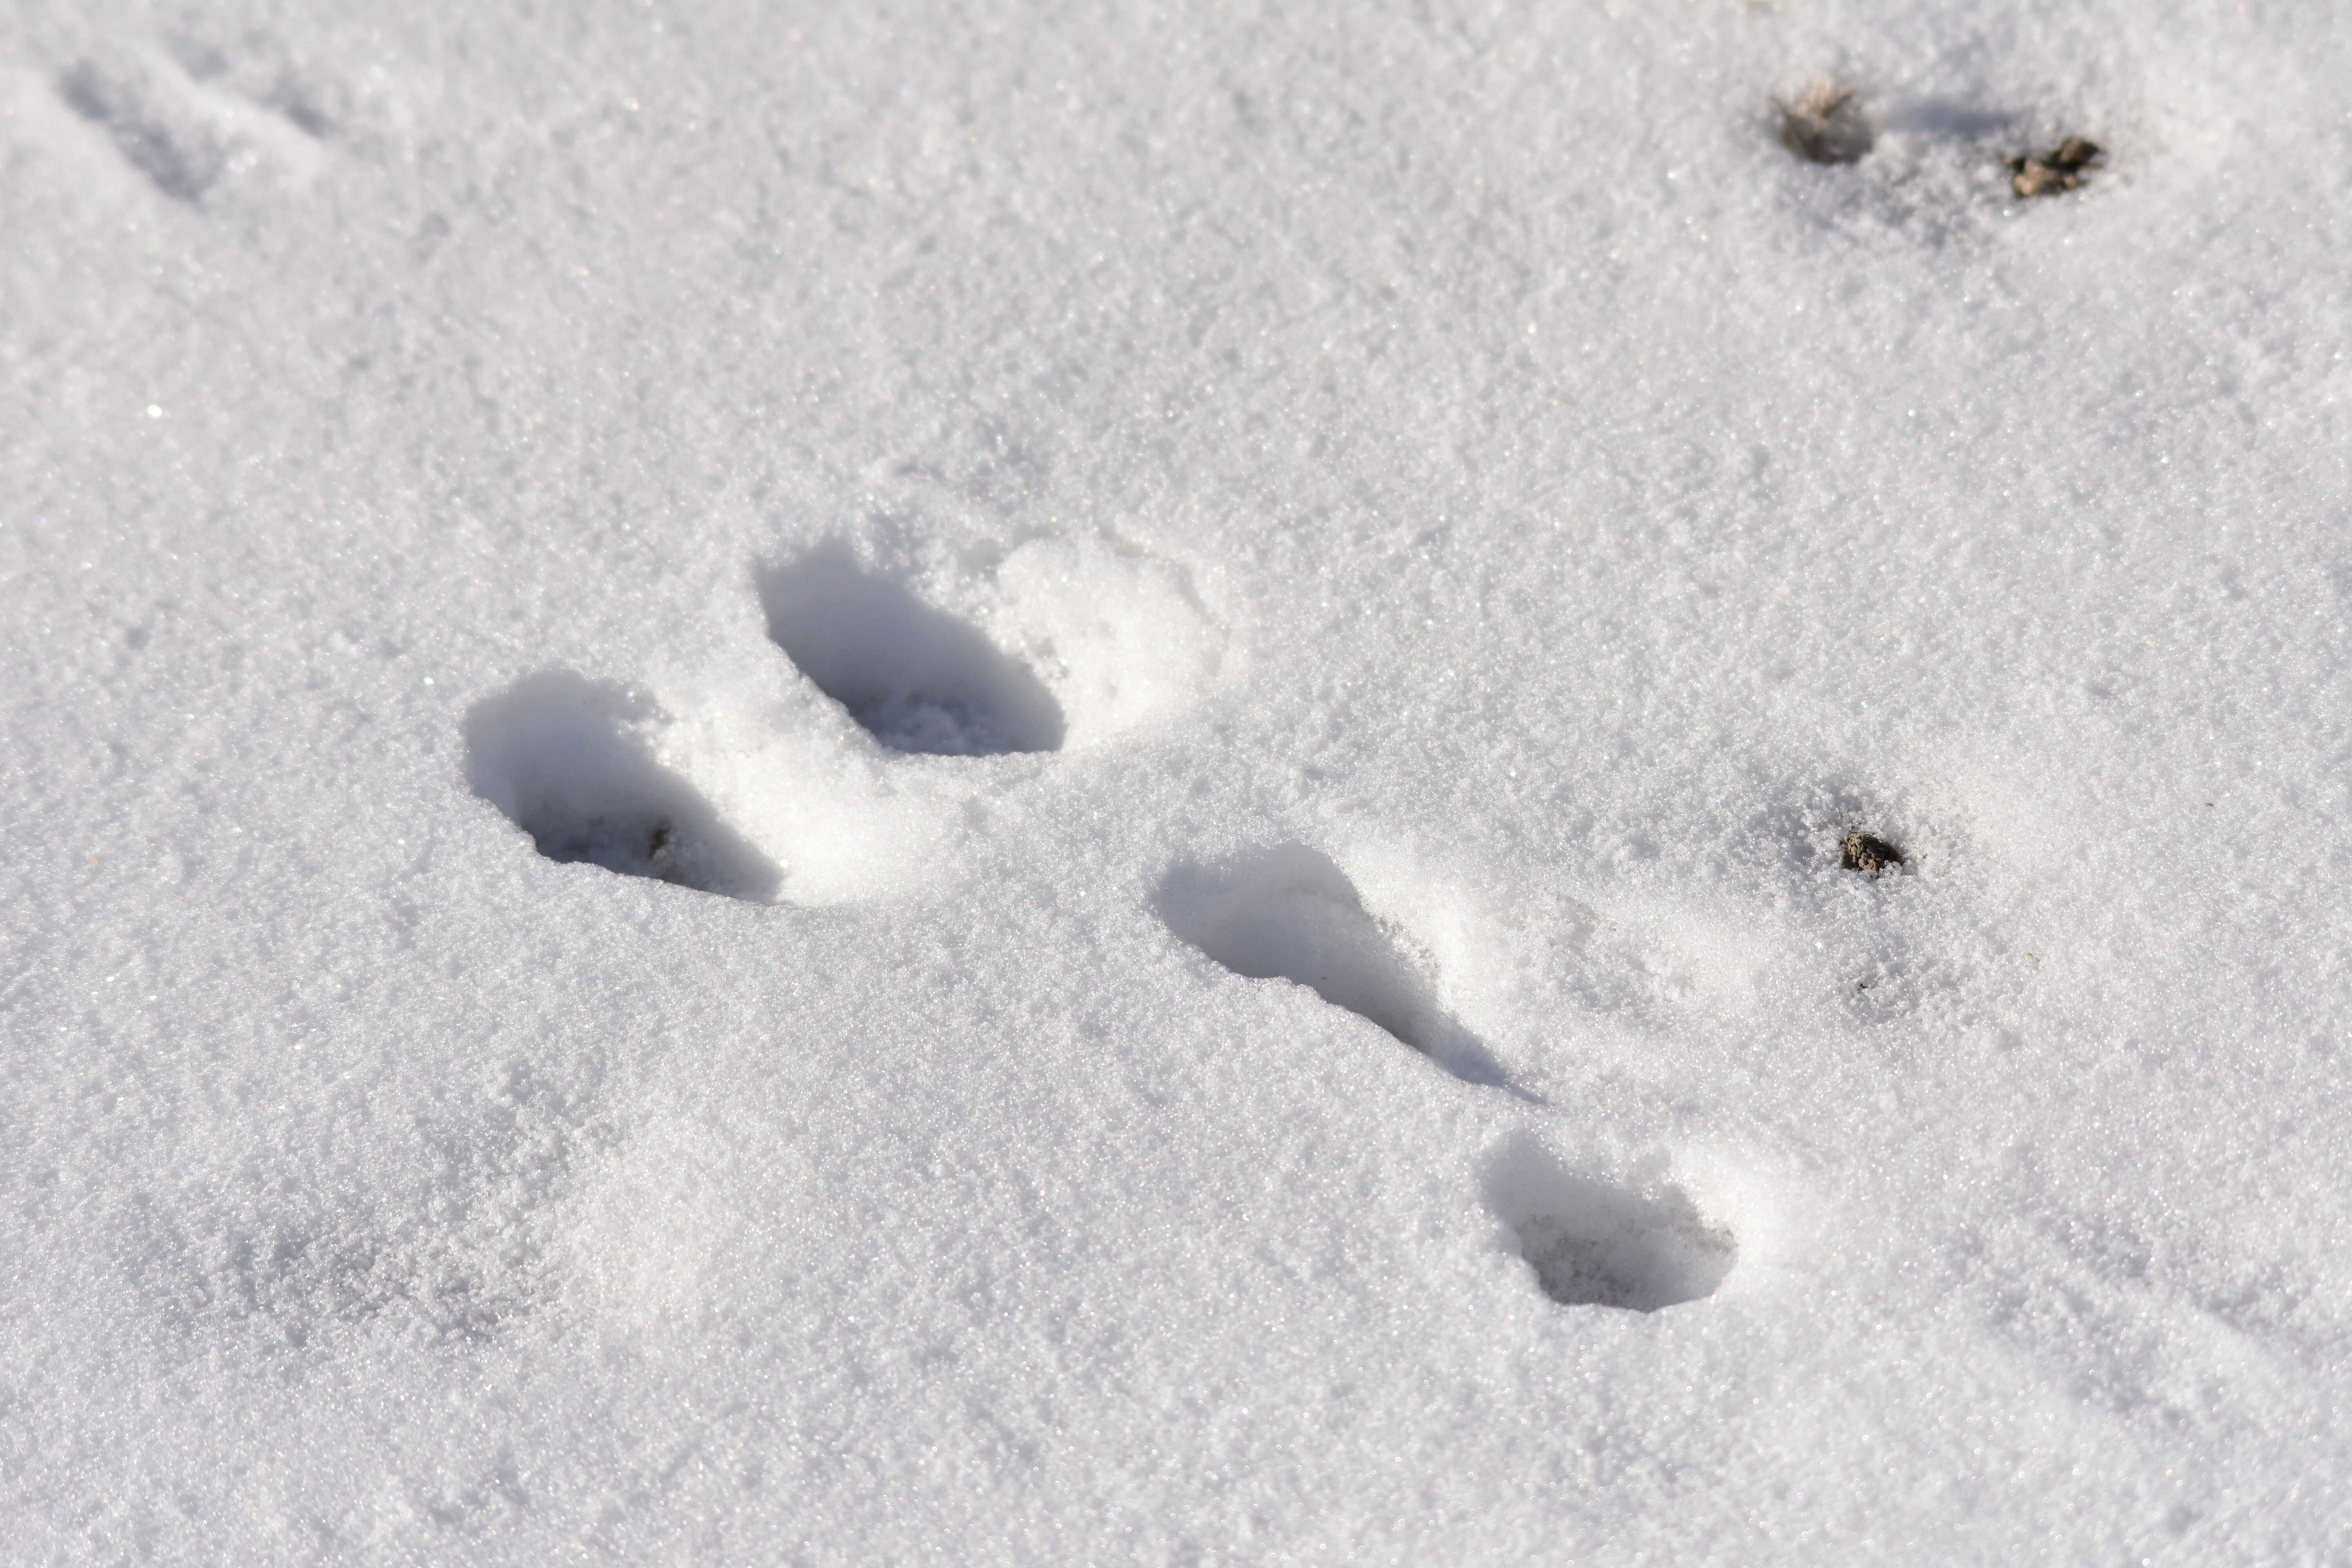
{"type": "Point", "coordinates": [1287, 913]}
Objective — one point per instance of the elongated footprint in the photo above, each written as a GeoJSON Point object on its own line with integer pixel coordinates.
{"type": "Point", "coordinates": [1287, 913]}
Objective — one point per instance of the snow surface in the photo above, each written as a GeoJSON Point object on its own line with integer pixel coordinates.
{"type": "Point", "coordinates": [1104, 573]}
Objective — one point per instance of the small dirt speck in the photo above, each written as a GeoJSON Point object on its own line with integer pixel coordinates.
{"type": "Point", "coordinates": [1869, 854]}
{"type": "Point", "coordinates": [1825, 125]}
{"type": "Point", "coordinates": [2060, 169]}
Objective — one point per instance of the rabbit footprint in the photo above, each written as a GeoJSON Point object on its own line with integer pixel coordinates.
{"type": "Point", "coordinates": [900, 711]}
{"type": "Point", "coordinates": [1287, 913]}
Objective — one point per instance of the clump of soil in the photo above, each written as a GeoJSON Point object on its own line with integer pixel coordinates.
{"type": "Point", "coordinates": [1870, 855]}
{"type": "Point", "coordinates": [1825, 125]}
{"type": "Point", "coordinates": [2049, 174]}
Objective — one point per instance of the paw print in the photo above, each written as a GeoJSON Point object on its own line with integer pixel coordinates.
{"type": "Point", "coordinates": [897, 708]}
{"type": "Point", "coordinates": [200, 119]}
{"type": "Point", "coordinates": [911, 689]}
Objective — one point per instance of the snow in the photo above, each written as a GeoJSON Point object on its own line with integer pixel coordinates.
{"type": "Point", "coordinates": [993, 785]}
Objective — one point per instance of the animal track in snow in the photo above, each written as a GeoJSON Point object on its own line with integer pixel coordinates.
{"type": "Point", "coordinates": [178, 154]}
{"type": "Point", "coordinates": [260, 69]}
{"type": "Point", "coordinates": [917, 678]}
{"type": "Point", "coordinates": [1288, 913]}
{"type": "Point", "coordinates": [194, 123]}
{"type": "Point", "coordinates": [556, 753]}
{"type": "Point", "coordinates": [1592, 1243]}
{"type": "Point", "coordinates": [814, 810]}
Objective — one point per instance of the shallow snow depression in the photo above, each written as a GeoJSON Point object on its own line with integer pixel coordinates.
{"type": "Point", "coordinates": [1475, 785]}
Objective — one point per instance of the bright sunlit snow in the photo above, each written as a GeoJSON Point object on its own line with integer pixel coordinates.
{"type": "Point", "coordinates": [863, 784]}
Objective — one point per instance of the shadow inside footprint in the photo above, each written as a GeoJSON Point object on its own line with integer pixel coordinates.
{"type": "Point", "coordinates": [554, 752]}
{"type": "Point", "coordinates": [919, 679]}
{"type": "Point", "coordinates": [1594, 1244]}
{"type": "Point", "coordinates": [182, 162]}
{"type": "Point", "coordinates": [1288, 913]}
